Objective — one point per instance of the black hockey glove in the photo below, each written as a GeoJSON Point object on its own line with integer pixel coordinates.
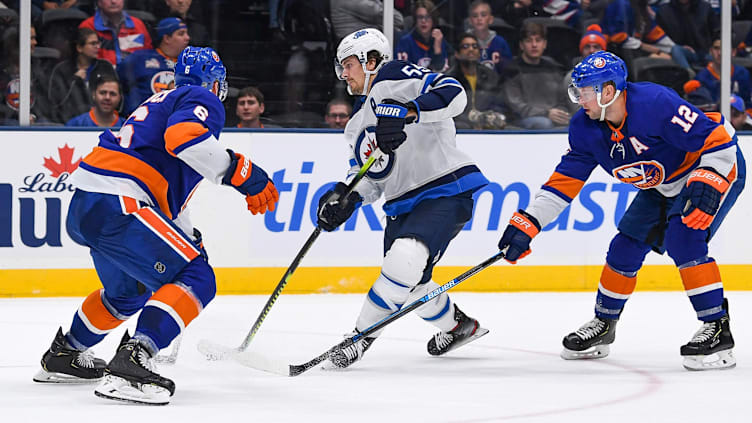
{"type": "Point", "coordinates": [516, 239]}
{"type": "Point", "coordinates": [390, 129]}
{"type": "Point", "coordinates": [333, 210]}
{"type": "Point", "coordinates": [702, 197]}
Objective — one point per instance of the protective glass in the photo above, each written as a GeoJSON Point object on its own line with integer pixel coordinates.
{"type": "Point", "coordinates": [580, 95]}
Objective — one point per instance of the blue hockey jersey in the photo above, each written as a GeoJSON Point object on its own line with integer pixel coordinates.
{"type": "Point", "coordinates": [164, 149]}
{"type": "Point", "coordinates": [143, 74]}
{"type": "Point", "coordinates": [409, 48]}
{"type": "Point", "coordinates": [495, 53]}
{"type": "Point", "coordinates": [661, 140]}
{"type": "Point", "coordinates": [88, 119]}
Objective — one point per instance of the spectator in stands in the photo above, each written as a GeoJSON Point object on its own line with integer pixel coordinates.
{"type": "Point", "coordinates": [337, 113]}
{"type": "Point", "coordinates": [106, 96]}
{"type": "Point", "coordinates": [494, 50]}
{"type": "Point", "coordinates": [484, 109]}
{"type": "Point", "coordinates": [533, 89]}
{"type": "Point", "coordinates": [424, 45]}
{"type": "Point", "coordinates": [189, 13]}
{"type": "Point", "coordinates": [690, 23]}
{"type": "Point", "coordinates": [147, 72]}
{"type": "Point", "coordinates": [10, 83]}
{"type": "Point", "coordinates": [120, 33]}
{"type": "Point", "coordinates": [593, 40]}
{"type": "Point", "coordinates": [740, 119]}
{"type": "Point", "coordinates": [349, 16]}
{"type": "Point", "coordinates": [568, 11]}
{"type": "Point", "coordinates": [250, 107]}
{"type": "Point", "coordinates": [705, 89]}
{"type": "Point", "coordinates": [630, 24]}
{"type": "Point", "coordinates": [68, 88]}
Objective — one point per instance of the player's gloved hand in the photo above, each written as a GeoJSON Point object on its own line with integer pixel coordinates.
{"type": "Point", "coordinates": [390, 129]}
{"type": "Point", "coordinates": [334, 210]}
{"type": "Point", "coordinates": [522, 228]}
{"type": "Point", "coordinates": [199, 241]}
{"type": "Point", "coordinates": [260, 193]}
{"type": "Point", "coordinates": [702, 197]}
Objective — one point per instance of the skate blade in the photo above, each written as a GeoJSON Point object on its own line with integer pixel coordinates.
{"type": "Point", "coordinates": [118, 389]}
{"type": "Point", "coordinates": [44, 376]}
{"type": "Point", "coordinates": [720, 360]}
{"type": "Point", "coordinates": [478, 333]}
{"type": "Point", "coordinates": [598, 351]}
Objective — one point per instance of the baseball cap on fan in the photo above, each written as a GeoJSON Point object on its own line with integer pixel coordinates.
{"type": "Point", "coordinates": [169, 25]}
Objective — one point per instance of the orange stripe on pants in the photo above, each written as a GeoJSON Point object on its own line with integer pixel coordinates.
{"type": "Point", "coordinates": [97, 314]}
{"type": "Point", "coordinates": [179, 299]}
{"type": "Point", "coordinates": [616, 282]}
{"type": "Point", "coordinates": [701, 275]}
{"type": "Point", "coordinates": [173, 238]}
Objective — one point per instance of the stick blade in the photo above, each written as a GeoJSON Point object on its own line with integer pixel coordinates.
{"type": "Point", "coordinates": [215, 352]}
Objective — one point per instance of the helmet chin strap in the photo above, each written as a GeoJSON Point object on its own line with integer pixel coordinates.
{"type": "Point", "coordinates": [603, 106]}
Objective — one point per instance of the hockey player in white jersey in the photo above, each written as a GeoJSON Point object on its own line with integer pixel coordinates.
{"type": "Point", "coordinates": [406, 112]}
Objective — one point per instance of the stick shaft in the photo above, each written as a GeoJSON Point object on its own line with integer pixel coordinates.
{"type": "Point", "coordinates": [298, 369]}
{"type": "Point", "coordinates": [299, 257]}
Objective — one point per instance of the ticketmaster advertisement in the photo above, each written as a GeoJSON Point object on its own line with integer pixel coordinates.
{"type": "Point", "coordinates": [37, 256]}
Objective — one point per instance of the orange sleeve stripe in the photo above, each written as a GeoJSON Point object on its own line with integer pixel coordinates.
{"type": "Point", "coordinates": [732, 175]}
{"type": "Point", "coordinates": [689, 160]}
{"type": "Point", "coordinates": [181, 133]}
{"type": "Point", "coordinates": [130, 205]}
{"type": "Point", "coordinates": [719, 136]}
{"type": "Point", "coordinates": [700, 275]}
{"type": "Point", "coordinates": [179, 299]}
{"type": "Point", "coordinates": [173, 238]}
{"type": "Point", "coordinates": [616, 282]}
{"type": "Point", "coordinates": [564, 184]}
{"type": "Point", "coordinates": [116, 161]}
{"type": "Point", "coordinates": [618, 38]}
{"type": "Point", "coordinates": [97, 314]}
{"type": "Point", "coordinates": [655, 34]}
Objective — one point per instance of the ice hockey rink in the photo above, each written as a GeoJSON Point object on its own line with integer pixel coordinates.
{"type": "Point", "coordinates": [512, 374]}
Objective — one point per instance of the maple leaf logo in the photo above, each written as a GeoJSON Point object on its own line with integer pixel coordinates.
{"type": "Point", "coordinates": [65, 165]}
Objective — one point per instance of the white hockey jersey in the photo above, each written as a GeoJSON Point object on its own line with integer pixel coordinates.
{"type": "Point", "coordinates": [428, 164]}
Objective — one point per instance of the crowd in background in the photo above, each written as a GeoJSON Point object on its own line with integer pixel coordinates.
{"type": "Point", "coordinates": [95, 61]}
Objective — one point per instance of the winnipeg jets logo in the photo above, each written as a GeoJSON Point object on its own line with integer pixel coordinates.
{"type": "Point", "coordinates": [364, 147]}
{"type": "Point", "coordinates": [642, 175]}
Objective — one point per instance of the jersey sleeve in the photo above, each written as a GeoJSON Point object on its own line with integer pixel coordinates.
{"type": "Point", "coordinates": [366, 188]}
{"type": "Point", "coordinates": [192, 131]}
{"type": "Point", "coordinates": [565, 183]}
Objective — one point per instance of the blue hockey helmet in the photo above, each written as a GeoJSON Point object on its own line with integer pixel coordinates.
{"type": "Point", "coordinates": [593, 72]}
{"type": "Point", "coordinates": [201, 66]}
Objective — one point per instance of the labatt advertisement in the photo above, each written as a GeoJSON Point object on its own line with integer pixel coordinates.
{"type": "Point", "coordinates": [34, 197]}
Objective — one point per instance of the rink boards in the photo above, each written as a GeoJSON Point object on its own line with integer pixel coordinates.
{"type": "Point", "coordinates": [250, 253]}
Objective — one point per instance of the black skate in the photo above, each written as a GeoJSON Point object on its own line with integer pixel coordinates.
{"type": "Point", "coordinates": [591, 340]}
{"type": "Point", "coordinates": [467, 330]}
{"type": "Point", "coordinates": [131, 377]}
{"type": "Point", "coordinates": [66, 365]}
{"type": "Point", "coordinates": [711, 346]}
{"type": "Point", "coordinates": [344, 357]}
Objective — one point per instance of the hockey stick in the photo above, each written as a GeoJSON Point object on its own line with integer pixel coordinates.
{"type": "Point", "coordinates": [216, 352]}
{"type": "Point", "coordinates": [260, 362]}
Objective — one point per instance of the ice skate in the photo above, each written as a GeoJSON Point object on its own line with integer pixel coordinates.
{"type": "Point", "coordinates": [67, 365]}
{"type": "Point", "coordinates": [711, 346]}
{"type": "Point", "coordinates": [591, 340]}
{"type": "Point", "coordinates": [344, 357]}
{"type": "Point", "coordinates": [132, 377]}
{"type": "Point", "coordinates": [466, 330]}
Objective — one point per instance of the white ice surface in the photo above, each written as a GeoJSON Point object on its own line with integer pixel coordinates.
{"type": "Point", "coordinates": [512, 374]}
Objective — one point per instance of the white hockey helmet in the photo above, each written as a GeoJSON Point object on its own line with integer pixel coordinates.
{"type": "Point", "coordinates": [359, 44]}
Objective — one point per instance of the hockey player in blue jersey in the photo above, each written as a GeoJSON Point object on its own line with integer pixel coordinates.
{"type": "Point", "coordinates": [129, 209]}
{"type": "Point", "coordinates": [405, 112]}
{"type": "Point", "coordinates": [689, 170]}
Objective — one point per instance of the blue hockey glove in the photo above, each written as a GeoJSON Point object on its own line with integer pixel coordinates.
{"type": "Point", "coordinates": [333, 210]}
{"type": "Point", "coordinates": [260, 193]}
{"type": "Point", "coordinates": [390, 129]}
{"type": "Point", "coordinates": [702, 196]}
{"type": "Point", "coordinates": [516, 239]}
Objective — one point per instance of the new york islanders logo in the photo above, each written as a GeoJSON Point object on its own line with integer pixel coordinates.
{"type": "Point", "coordinates": [163, 80]}
{"type": "Point", "coordinates": [599, 62]}
{"type": "Point", "coordinates": [643, 175]}
{"type": "Point", "coordinates": [365, 145]}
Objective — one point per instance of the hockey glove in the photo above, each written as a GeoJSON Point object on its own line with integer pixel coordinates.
{"type": "Point", "coordinates": [390, 129]}
{"type": "Point", "coordinates": [199, 241]}
{"type": "Point", "coordinates": [260, 193]}
{"type": "Point", "coordinates": [516, 239]}
{"type": "Point", "coordinates": [702, 197]}
{"type": "Point", "coordinates": [333, 210]}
